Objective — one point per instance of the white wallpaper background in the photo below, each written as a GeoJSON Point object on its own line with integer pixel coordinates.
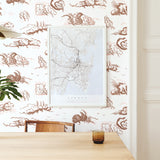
{"type": "Point", "coordinates": [25, 60]}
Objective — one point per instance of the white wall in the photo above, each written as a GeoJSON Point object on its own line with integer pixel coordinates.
{"type": "Point", "coordinates": [149, 80]}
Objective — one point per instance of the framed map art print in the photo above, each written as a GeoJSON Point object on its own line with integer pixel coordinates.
{"type": "Point", "coordinates": [77, 66]}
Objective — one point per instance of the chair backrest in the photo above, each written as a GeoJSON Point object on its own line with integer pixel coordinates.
{"type": "Point", "coordinates": [49, 126]}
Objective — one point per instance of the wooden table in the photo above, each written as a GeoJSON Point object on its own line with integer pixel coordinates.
{"type": "Point", "coordinates": [61, 146]}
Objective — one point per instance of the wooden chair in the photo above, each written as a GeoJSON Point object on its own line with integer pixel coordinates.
{"type": "Point", "coordinates": [49, 126]}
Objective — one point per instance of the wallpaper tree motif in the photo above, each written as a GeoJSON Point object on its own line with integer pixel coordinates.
{"type": "Point", "coordinates": [25, 60]}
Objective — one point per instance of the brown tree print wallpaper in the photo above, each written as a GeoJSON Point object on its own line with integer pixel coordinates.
{"type": "Point", "coordinates": [25, 61]}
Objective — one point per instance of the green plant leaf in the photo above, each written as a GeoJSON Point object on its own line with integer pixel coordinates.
{"type": "Point", "coordinates": [7, 87]}
{"type": "Point", "coordinates": [4, 79]}
{"type": "Point", "coordinates": [2, 95]}
{"type": "Point", "coordinates": [7, 94]}
{"type": "Point", "coordinates": [14, 96]}
{"type": "Point", "coordinates": [14, 90]}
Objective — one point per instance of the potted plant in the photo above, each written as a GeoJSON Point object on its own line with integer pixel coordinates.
{"type": "Point", "coordinates": [8, 88]}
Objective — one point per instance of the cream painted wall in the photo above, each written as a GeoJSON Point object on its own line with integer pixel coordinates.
{"type": "Point", "coordinates": [148, 80]}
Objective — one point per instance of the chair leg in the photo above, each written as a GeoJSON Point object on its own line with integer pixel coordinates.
{"type": "Point", "coordinates": [73, 128]}
{"type": "Point", "coordinates": [26, 127]}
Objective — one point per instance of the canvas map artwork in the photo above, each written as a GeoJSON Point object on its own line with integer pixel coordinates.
{"type": "Point", "coordinates": [77, 66]}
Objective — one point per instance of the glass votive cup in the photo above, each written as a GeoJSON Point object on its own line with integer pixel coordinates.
{"type": "Point", "coordinates": [98, 136]}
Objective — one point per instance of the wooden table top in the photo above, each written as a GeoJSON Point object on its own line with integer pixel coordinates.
{"type": "Point", "coordinates": [61, 146]}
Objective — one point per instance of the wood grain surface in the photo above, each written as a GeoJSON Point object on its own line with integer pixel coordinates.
{"type": "Point", "coordinates": [61, 146]}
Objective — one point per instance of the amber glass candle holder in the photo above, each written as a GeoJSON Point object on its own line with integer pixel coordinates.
{"type": "Point", "coordinates": [98, 136]}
